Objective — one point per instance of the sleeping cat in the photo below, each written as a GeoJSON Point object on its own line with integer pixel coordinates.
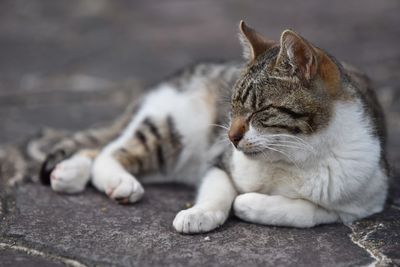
{"type": "Point", "coordinates": [301, 142]}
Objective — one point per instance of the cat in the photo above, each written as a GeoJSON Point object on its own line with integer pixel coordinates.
{"type": "Point", "coordinates": [300, 141]}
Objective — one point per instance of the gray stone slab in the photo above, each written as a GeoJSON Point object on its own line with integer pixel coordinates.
{"type": "Point", "coordinates": [93, 230]}
{"type": "Point", "coordinates": [15, 258]}
{"type": "Point", "coordinates": [25, 114]}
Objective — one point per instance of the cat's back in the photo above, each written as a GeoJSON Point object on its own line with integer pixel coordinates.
{"type": "Point", "coordinates": [224, 73]}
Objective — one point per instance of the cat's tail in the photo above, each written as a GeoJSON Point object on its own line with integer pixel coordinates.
{"type": "Point", "coordinates": [94, 138]}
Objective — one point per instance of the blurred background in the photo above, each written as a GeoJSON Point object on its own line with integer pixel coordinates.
{"type": "Point", "coordinates": [71, 64]}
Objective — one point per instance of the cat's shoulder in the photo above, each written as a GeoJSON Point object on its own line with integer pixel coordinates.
{"type": "Point", "coordinates": [365, 92]}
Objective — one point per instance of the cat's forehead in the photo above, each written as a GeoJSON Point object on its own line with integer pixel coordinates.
{"type": "Point", "coordinates": [262, 71]}
{"type": "Point", "coordinates": [260, 79]}
{"type": "Point", "coordinates": [261, 64]}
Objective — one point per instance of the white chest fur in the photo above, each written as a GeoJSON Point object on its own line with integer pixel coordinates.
{"type": "Point", "coordinates": [270, 178]}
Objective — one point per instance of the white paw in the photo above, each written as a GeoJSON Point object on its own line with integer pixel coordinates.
{"type": "Point", "coordinates": [198, 220]}
{"type": "Point", "coordinates": [71, 175]}
{"type": "Point", "coordinates": [124, 188]}
{"type": "Point", "coordinates": [246, 206]}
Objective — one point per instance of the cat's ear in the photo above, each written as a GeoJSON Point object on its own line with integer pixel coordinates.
{"type": "Point", "coordinates": [301, 55]}
{"type": "Point", "coordinates": [253, 43]}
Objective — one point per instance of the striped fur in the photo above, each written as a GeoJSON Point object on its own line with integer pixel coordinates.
{"type": "Point", "coordinates": [154, 147]}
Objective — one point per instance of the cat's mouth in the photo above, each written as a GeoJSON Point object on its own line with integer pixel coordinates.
{"type": "Point", "coordinates": [252, 153]}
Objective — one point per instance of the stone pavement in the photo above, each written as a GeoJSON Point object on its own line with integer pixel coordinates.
{"type": "Point", "coordinates": [70, 64]}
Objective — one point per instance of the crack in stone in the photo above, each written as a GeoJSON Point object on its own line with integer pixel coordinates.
{"type": "Point", "coordinates": [34, 252]}
{"type": "Point", "coordinates": [360, 238]}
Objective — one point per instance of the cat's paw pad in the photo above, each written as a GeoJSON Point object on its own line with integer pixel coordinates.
{"type": "Point", "coordinates": [125, 189]}
{"type": "Point", "coordinates": [71, 175]}
{"type": "Point", "coordinates": [198, 220]}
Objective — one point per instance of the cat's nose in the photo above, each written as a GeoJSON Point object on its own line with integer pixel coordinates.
{"type": "Point", "coordinates": [235, 138]}
{"type": "Point", "coordinates": [237, 130]}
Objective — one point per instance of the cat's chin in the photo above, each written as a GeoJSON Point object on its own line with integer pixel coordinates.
{"type": "Point", "coordinates": [261, 155]}
{"type": "Point", "coordinates": [253, 154]}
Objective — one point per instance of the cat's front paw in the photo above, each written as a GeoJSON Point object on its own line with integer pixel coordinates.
{"type": "Point", "coordinates": [198, 220]}
{"type": "Point", "coordinates": [124, 189]}
{"type": "Point", "coordinates": [246, 206]}
{"type": "Point", "coordinates": [71, 175]}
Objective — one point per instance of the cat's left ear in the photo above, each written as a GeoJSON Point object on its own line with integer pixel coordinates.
{"type": "Point", "coordinates": [253, 43]}
{"type": "Point", "coordinates": [302, 56]}
{"type": "Point", "coordinates": [307, 61]}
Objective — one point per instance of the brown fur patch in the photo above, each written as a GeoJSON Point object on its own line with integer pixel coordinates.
{"type": "Point", "coordinates": [329, 73]}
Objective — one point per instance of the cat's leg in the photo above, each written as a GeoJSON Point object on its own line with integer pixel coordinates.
{"type": "Point", "coordinates": [150, 144]}
{"type": "Point", "coordinates": [281, 211]}
{"type": "Point", "coordinates": [110, 177]}
{"type": "Point", "coordinates": [72, 174]}
{"type": "Point", "coordinates": [212, 206]}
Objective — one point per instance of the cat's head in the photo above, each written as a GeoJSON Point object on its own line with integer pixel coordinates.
{"type": "Point", "coordinates": [284, 94]}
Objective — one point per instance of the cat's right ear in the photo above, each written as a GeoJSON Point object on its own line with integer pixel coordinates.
{"type": "Point", "coordinates": [253, 43]}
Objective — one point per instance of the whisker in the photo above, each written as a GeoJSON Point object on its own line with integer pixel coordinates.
{"type": "Point", "coordinates": [289, 146]}
{"type": "Point", "coordinates": [292, 142]}
{"type": "Point", "coordinates": [222, 140]}
{"type": "Point", "coordinates": [303, 146]}
{"type": "Point", "coordinates": [289, 136]}
{"type": "Point", "coordinates": [296, 145]}
{"type": "Point", "coordinates": [220, 126]}
{"type": "Point", "coordinates": [286, 155]}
